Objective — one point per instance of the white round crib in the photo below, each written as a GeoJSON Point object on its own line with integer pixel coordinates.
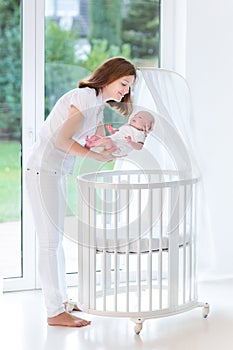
{"type": "Point", "coordinates": [137, 244]}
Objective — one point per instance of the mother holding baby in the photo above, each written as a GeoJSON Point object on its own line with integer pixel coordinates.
{"type": "Point", "coordinates": [62, 138]}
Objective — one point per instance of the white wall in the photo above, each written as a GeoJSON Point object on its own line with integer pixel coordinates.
{"type": "Point", "coordinates": [209, 71]}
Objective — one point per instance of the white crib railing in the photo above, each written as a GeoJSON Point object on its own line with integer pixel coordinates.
{"type": "Point", "coordinates": [137, 244]}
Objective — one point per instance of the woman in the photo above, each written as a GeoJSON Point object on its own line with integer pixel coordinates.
{"type": "Point", "coordinates": [61, 139]}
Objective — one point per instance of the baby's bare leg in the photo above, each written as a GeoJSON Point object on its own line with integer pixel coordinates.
{"type": "Point", "coordinates": [105, 142]}
{"type": "Point", "coordinates": [90, 140]}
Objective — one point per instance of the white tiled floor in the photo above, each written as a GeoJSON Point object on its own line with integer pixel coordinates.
{"type": "Point", "coordinates": [23, 326]}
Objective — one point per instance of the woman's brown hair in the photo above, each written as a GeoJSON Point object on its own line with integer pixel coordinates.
{"type": "Point", "coordinates": [111, 70]}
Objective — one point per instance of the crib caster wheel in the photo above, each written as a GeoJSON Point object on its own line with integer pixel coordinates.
{"type": "Point", "coordinates": [205, 310]}
{"type": "Point", "coordinates": [138, 328]}
{"type": "Point", "coordinates": [138, 324]}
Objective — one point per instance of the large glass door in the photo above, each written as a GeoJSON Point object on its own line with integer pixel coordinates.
{"type": "Point", "coordinates": [18, 116]}
{"type": "Point", "coordinates": [80, 35]}
{"type": "Point", "coordinates": [46, 47]}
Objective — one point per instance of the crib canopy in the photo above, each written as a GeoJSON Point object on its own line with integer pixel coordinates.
{"type": "Point", "coordinates": [170, 145]}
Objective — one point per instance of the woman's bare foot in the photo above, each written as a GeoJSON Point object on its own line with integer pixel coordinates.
{"type": "Point", "coordinates": [67, 320]}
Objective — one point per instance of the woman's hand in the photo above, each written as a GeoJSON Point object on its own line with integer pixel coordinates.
{"type": "Point", "coordinates": [105, 155]}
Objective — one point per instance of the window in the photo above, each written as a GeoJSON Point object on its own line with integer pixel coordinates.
{"type": "Point", "coordinates": [79, 34]}
{"type": "Point", "coordinates": [78, 37]}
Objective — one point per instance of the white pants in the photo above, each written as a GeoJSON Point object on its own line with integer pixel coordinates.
{"type": "Point", "coordinates": [47, 194]}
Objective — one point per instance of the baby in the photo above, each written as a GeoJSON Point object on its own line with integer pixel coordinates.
{"type": "Point", "coordinates": [128, 137]}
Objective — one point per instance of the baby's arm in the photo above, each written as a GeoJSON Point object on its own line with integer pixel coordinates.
{"type": "Point", "coordinates": [110, 129]}
{"type": "Point", "coordinates": [95, 141]}
{"type": "Point", "coordinates": [134, 145]}
{"type": "Point", "coordinates": [100, 132]}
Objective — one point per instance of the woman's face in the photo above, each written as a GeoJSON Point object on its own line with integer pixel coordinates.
{"type": "Point", "coordinates": [118, 88]}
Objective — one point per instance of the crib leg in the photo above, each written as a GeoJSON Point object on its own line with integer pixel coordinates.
{"type": "Point", "coordinates": [205, 310]}
{"type": "Point", "coordinates": [138, 324]}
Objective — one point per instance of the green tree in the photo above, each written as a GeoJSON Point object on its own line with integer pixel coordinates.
{"type": "Point", "coordinates": [10, 68]}
{"type": "Point", "coordinates": [62, 70]}
{"type": "Point", "coordinates": [101, 51]}
{"type": "Point", "coordinates": [106, 21]}
{"type": "Point", "coordinates": [59, 43]}
{"type": "Point", "coordinates": [141, 27]}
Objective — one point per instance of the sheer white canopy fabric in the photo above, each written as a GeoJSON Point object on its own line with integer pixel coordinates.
{"type": "Point", "coordinates": [170, 145]}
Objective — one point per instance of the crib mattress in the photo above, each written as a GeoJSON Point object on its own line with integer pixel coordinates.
{"type": "Point", "coordinates": [144, 245]}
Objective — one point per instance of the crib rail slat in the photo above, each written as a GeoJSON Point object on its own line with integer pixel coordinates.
{"type": "Point", "coordinates": [92, 248]}
{"type": "Point", "coordinates": [127, 248]}
{"type": "Point", "coordinates": [194, 221]}
{"type": "Point", "coordinates": [150, 273]}
{"type": "Point", "coordinates": [160, 254]}
{"type": "Point", "coordinates": [104, 265]}
{"type": "Point", "coordinates": [115, 248]}
{"type": "Point", "coordinates": [138, 253]}
{"type": "Point", "coordinates": [185, 208]}
{"type": "Point", "coordinates": [173, 251]}
{"type": "Point", "coordinates": [191, 249]}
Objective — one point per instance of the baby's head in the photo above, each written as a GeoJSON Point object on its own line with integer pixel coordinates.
{"type": "Point", "coordinates": [143, 120]}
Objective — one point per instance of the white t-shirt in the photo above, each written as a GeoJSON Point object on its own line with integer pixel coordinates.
{"type": "Point", "coordinates": [119, 138]}
{"type": "Point", "coordinates": [44, 154]}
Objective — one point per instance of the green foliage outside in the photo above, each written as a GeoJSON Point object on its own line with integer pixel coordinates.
{"type": "Point", "coordinates": [10, 69]}
{"type": "Point", "coordinates": [141, 28]}
{"type": "Point", "coordinates": [106, 21]}
{"type": "Point", "coordinates": [101, 51]}
{"type": "Point", "coordinates": [63, 69]}
{"type": "Point", "coordinates": [10, 181]}
{"type": "Point", "coordinates": [59, 43]}
{"type": "Point", "coordinates": [83, 165]}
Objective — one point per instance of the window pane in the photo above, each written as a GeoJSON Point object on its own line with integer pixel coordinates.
{"type": "Point", "coordinates": [80, 35]}
{"type": "Point", "coordinates": [10, 139]}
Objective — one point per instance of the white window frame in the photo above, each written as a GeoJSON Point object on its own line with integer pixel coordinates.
{"type": "Point", "coordinates": [173, 55]}
{"type": "Point", "coordinates": [173, 35]}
